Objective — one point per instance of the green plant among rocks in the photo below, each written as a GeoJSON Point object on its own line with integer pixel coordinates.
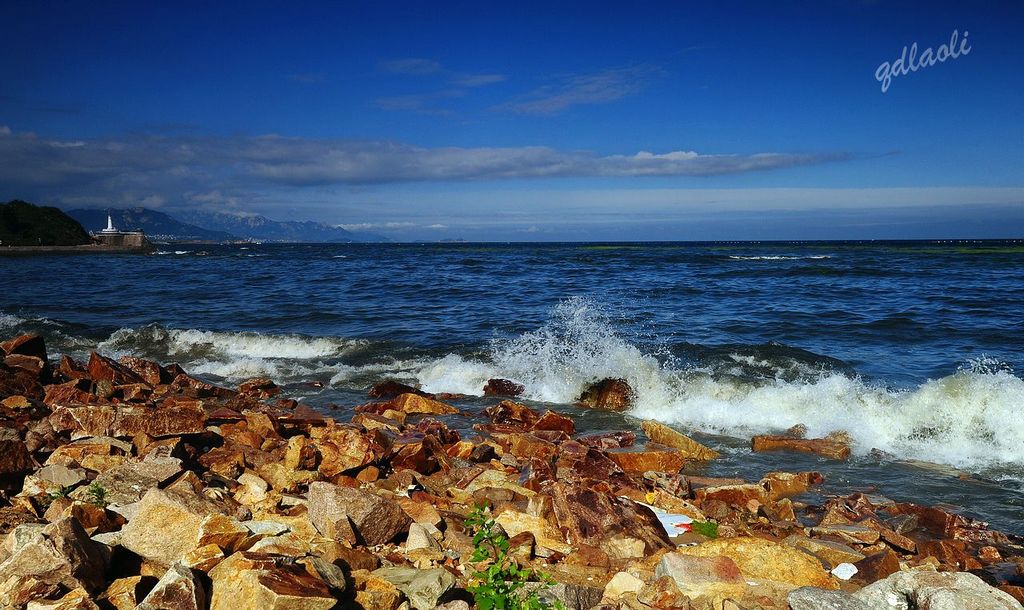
{"type": "Point", "coordinates": [705, 528]}
{"type": "Point", "coordinates": [501, 585]}
{"type": "Point", "coordinates": [97, 495]}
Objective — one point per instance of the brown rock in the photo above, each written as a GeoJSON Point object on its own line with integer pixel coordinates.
{"type": "Point", "coordinates": [512, 413]}
{"type": "Point", "coordinates": [26, 345]}
{"type": "Point", "coordinates": [610, 394]}
{"type": "Point", "coordinates": [260, 387]}
{"type": "Point", "coordinates": [555, 422]}
{"type": "Point", "coordinates": [835, 450]}
{"type": "Point", "coordinates": [344, 448]}
{"type": "Point", "coordinates": [503, 387]}
{"type": "Point", "coordinates": [952, 553]}
{"type": "Point", "coordinates": [15, 457]}
{"type": "Point", "coordinates": [787, 484]}
{"type": "Point", "coordinates": [13, 381]}
{"type": "Point", "coordinates": [854, 534]}
{"type": "Point", "coordinates": [524, 445]}
{"type": "Point", "coordinates": [109, 420]}
{"type": "Point", "coordinates": [609, 440]}
{"type": "Point", "coordinates": [733, 495]}
{"type": "Point", "coordinates": [589, 514]}
{"type": "Point", "coordinates": [415, 404]}
{"type": "Point", "coordinates": [149, 372]}
{"type": "Point", "coordinates": [894, 539]}
{"type": "Point", "coordinates": [70, 392]}
{"type": "Point", "coordinates": [197, 388]}
{"type": "Point", "coordinates": [878, 566]}
{"type": "Point", "coordinates": [335, 511]}
{"type": "Point", "coordinates": [389, 389]}
{"type": "Point", "coordinates": [34, 368]}
{"type": "Point", "coordinates": [227, 460]}
{"type": "Point", "coordinates": [102, 368]}
{"type": "Point", "coordinates": [16, 403]}
{"type": "Point", "coordinates": [663, 435]}
{"type": "Point", "coordinates": [547, 538]}
{"type": "Point", "coordinates": [69, 369]}
{"type": "Point", "coordinates": [645, 460]}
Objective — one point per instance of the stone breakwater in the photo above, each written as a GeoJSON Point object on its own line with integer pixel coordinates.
{"type": "Point", "coordinates": [130, 484]}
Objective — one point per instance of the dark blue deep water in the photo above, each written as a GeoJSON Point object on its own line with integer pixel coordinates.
{"type": "Point", "coordinates": [911, 348]}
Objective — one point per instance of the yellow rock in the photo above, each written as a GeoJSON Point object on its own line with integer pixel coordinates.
{"type": "Point", "coordinates": [663, 435]}
{"type": "Point", "coordinates": [544, 533]}
{"type": "Point", "coordinates": [766, 560]}
{"type": "Point", "coordinates": [416, 404]}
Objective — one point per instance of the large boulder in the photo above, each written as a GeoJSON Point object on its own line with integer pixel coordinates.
{"type": "Point", "coordinates": [935, 591]}
{"type": "Point", "coordinates": [342, 513]}
{"type": "Point", "coordinates": [609, 394]}
{"type": "Point", "coordinates": [167, 524]}
{"type": "Point", "coordinates": [595, 516]}
{"type": "Point", "coordinates": [762, 559]}
{"type": "Point", "coordinates": [261, 582]}
{"type": "Point", "coordinates": [40, 559]}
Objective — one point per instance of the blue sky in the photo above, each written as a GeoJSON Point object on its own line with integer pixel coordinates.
{"type": "Point", "coordinates": [524, 121]}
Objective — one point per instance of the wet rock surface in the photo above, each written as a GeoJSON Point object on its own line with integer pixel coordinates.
{"type": "Point", "coordinates": [132, 484]}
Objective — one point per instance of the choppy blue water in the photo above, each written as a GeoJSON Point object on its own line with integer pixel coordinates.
{"type": "Point", "coordinates": [912, 348]}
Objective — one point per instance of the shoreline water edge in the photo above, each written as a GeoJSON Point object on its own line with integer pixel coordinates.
{"type": "Point", "coordinates": [146, 486]}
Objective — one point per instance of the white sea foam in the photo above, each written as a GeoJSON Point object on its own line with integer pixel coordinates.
{"type": "Point", "coordinates": [188, 342]}
{"type": "Point", "coordinates": [233, 355]}
{"type": "Point", "coordinates": [10, 321]}
{"type": "Point", "coordinates": [971, 419]}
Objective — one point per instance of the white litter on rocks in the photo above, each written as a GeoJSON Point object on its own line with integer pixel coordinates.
{"type": "Point", "coordinates": [674, 524]}
{"type": "Point", "coordinates": [844, 571]}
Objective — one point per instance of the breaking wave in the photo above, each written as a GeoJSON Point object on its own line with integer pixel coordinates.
{"type": "Point", "coordinates": [970, 419]}
{"type": "Point", "coordinates": [232, 355]}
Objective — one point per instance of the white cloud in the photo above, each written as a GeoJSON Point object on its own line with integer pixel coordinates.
{"type": "Point", "coordinates": [203, 167]}
{"type": "Point", "coordinates": [576, 89]}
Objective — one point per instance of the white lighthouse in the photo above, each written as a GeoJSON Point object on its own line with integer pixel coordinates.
{"type": "Point", "coordinates": [110, 230]}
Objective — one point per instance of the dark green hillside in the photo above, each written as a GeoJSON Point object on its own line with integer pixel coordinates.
{"type": "Point", "coordinates": [25, 224]}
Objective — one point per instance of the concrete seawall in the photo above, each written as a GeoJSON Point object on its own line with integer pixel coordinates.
{"type": "Point", "coordinates": [86, 249]}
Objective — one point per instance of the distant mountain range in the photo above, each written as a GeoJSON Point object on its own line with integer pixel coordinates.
{"type": "Point", "coordinates": [261, 227]}
{"type": "Point", "coordinates": [216, 226]}
{"type": "Point", "coordinates": [157, 225]}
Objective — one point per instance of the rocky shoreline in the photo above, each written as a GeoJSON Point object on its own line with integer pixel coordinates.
{"type": "Point", "coordinates": [130, 484]}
